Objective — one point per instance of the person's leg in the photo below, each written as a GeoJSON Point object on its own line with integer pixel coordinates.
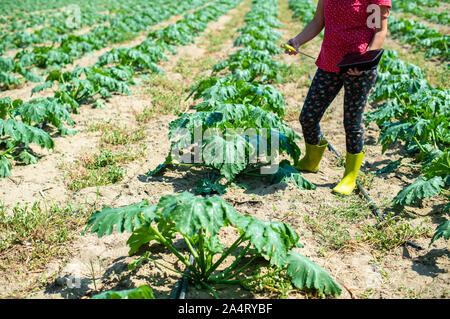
{"type": "Point", "coordinates": [357, 89]}
{"type": "Point", "coordinates": [324, 88]}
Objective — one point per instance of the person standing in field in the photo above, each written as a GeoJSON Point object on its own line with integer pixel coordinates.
{"type": "Point", "coordinates": [348, 29]}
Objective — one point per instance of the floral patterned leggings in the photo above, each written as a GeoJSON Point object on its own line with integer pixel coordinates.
{"type": "Point", "coordinates": [324, 88]}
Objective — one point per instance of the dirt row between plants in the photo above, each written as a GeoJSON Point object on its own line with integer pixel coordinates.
{"type": "Point", "coordinates": [328, 225]}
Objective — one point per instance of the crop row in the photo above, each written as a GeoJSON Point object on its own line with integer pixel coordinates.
{"type": "Point", "coordinates": [416, 8]}
{"type": "Point", "coordinates": [114, 70]}
{"type": "Point", "coordinates": [15, 8]}
{"type": "Point", "coordinates": [83, 85]}
{"type": "Point", "coordinates": [241, 98]}
{"type": "Point", "coordinates": [419, 115]}
{"type": "Point", "coordinates": [421, 36]}
{"type": "Point", "coordinates": [47, 28]}
{"type": "Point", "coordinates": [87, 13]}
{"type": "Point", "coordinates": [75, 46]}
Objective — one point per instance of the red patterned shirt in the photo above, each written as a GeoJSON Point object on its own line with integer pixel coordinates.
{"type": "Point", "coordinates": [346, 30]}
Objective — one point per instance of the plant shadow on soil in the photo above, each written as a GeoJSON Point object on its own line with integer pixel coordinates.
{"type": "Point", "coordinates": [184, 178]}
{"type": "Point", "coordinates": [118, 277]}
{"type": "Point", "coordinates": [426, 265]}
{"type": "Point", "coordinates": [163, 283]}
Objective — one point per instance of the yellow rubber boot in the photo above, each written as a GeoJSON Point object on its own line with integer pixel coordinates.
{"type": "Point", "coordinates": [314, 153]}
{"type": "Point", "coordinates": [352, 166]}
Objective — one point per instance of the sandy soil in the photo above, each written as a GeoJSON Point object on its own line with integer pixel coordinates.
{"type": "Point", "coordinates": [101, 264]}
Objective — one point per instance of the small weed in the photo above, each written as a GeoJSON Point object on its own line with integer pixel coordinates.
{"type": "Point", "coordinates": [392, 233]}
{"type": "Point", "coordinates": [354, 210]}
{"type": "Point", "coordinates": [185, 67]}
{"type": "Point", "coordinates": [367, 294]}
{"type": "Point", "coordinates": [100, 169]}
{"type": "Point", "coordinates": [339, 162]}
{"type": "Point", "coordinates": [99, 126]}
{"type": "Point", "coordinates": [366, 179]}
{"type": "Point", "coordinates": [167, 96]}
{"type": "Point", "coordinates": [189, 68]}
{"type": "Point", "coordinates": [275, 284]}
{"type": "Point", "coordinates": [108, 157]}
{"type": "Point", "coordinates": [83, 178]}
{"type": "Point", "coordinates": [329, 231]}
{"type": "Point", "coordinates": [410, 293]}
{"type": "Point", "coordinates": [146, 115]}
{"type": "Point", "coordinates": [116, 134]}
{"type": "Point", "coordinates": [123, 135]}
{"type": "Point", "coordinates": [33, 234]}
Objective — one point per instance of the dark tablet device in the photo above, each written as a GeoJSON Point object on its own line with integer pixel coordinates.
{"type": "Point", "coordinates": [361, 61]}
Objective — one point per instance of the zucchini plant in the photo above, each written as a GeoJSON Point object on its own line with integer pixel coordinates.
{"type": "Point", "coordinates": [239, 118]}
{"type": "Point", "coordinates": [418, 114]}
{"type": "Point", "coordinates": [20, 125]}
{"type": "Point", "coordinates": [77, 86]}
{"type": "Point", "coordinates": [199, 220]}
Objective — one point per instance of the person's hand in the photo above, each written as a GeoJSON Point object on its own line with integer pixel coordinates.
{"type": "Point", "coordinates": [293, 44]}
{"type": "Point", "coordinates": [354, 72]}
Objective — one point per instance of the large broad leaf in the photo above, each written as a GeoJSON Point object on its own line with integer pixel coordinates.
{"type": "Point", "coordinates": [188, 122]}
{"type": "Point", "coordinates": [440, 166]}
{"type": "Point", "coordinates": [273, 99]}
{"type": "Point", "coordinates": [220, 92]}
{"type": "Point", "coordinates": [443, 230]}
{"type": "Point", "coordinates": [206, 186]}
{"type": "Point", "coordinates": [143, 292]}
{"type": "Point", "coordinates": [26, 134]}
{"type": "Point", "coordinates": [393, 132]}
{"type": "Point", "coordinates": [7, 78]}
{"type": "Point", "coordinates": [271, 239]}
{"type": "Point", "coordinates": [5, 167]}
{"type": "Point", "coordinates": [41, 87]}
{"type": "Point", "coordinates": [40, 109]}
{"type": "Point", "coordinates": [390, 109]}
{"type": "Point", "coordinates": [227, 154]}
{"type": "Point", "coordinates": [392, 166]}
{"type": "Point", "coordinates": [140, 237]}
{"type": "Point", "coordinates": [419, 189]}
{"type": "Point", "coordinates": [28, 158]}
{"type": "Point", "coordinates": [265, 119]}
{"type": "Point", "coordinates": [126, 218]}
{"type": "Point", "coordinates": [191, 213]}
{"type": "Point", "coordinates": [285, 144]}
{"type": "Point", "coordinates": [288, 174]}
{"type": "Point", "coordinates": [161, 167]}
{"type": "Point", "coordinates": [306, 274]}
{"type": "Point", "coordinates": [230, 112]}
